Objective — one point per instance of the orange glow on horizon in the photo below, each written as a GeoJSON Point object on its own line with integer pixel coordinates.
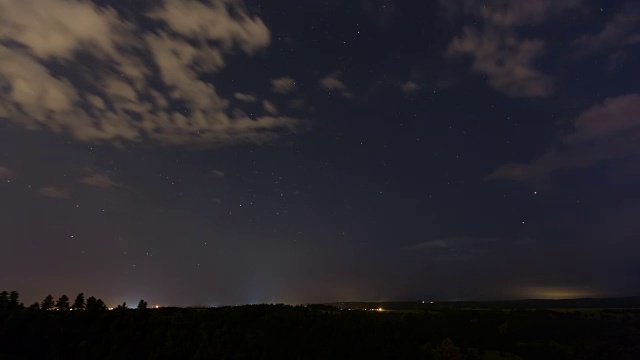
{"type": "Point", "coordinates": [556, 292]}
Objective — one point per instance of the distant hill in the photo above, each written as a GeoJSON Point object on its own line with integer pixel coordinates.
{"type": "Point", "coordinates": [631, 302]}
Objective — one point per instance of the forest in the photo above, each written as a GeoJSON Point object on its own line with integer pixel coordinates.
{"type": "Point", "coordinates": [87, 329]}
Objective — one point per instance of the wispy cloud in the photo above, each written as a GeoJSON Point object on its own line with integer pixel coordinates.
{"type": "Point", "coordinates": [621, 30]}
{"type": "Point", "coordinates": [6, 173]}
{"type": "Point", "coordinates": [53, 192]}
{"type": "Point", "coordinates": [410, 87]}
{"type": "Point", "coordinates": [606, 131]}
{"type": "Point", "coordinates": [332, 83]}
{"type": "Point", "coordinates": [455, 248]}
{"type": "Point", "coordinates": [284, 85]}
{"type": "Point", "coordinates": [218, 173]}
{"type": "Point", "coordinates": [297, 104]}
{"type": "Point", "coordinates": [510, 13]}
{"type": "Point", "coordinates": [98, 179]}
{"type": "Point", "coordinates": [380, 12]}
{"type": "Point", "coordinates": [245, 97]}
{"type": "Point", "coordinates": [616, 60]}
{"type": "Point", "coordinates": [453, 243]}
{"type": "Point", "coordinates": [269, 107]}
{"type": "Point", "coordinates": [124, 97]}
{"type": "Point", "coordinates": [507, 59]}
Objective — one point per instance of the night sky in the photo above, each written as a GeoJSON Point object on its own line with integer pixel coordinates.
{"type": "Point", "coordinates": [226, 152]}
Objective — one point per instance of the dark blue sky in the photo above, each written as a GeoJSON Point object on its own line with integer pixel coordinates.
{"type": "Point", "coordinates": [210, 152]}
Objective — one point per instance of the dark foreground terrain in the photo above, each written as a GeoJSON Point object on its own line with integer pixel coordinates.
{"type": "Point", "coordinates": [442, 331]}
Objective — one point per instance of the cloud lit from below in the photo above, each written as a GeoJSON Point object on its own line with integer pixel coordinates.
{"type": "Point", "coordinates": [556, 292]}
{"type": "Point", "coordinates": [146, 84]}
{"type": "Point", "coordinates": [604, 132]}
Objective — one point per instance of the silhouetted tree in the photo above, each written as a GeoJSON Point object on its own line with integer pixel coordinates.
{"type": "Point", "coordinates": [63, 303]}
{"type": "Point", "coordinates": [447, 351]}
{"type": "Point", "coordinates": [47, 303]}
{"type": "Point", "coordinates": [142, 304]}
{"type": "Point", "coordinates": [79, 304]}
{"type": "Point", "coordinates": [122, 307]}
{"type": "Point", "coordinates": [14, 300]}
{"type": "Point", "coordinates": [4, 300]}
{"type": "Point", "coordinates": [34, 306]}
{"type": "Point", "coordinates": [92, 304]}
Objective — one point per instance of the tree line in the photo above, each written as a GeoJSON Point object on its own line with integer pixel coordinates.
{"type": "Point", "coordinates": [10, 300]}
{"type": "Point", "coordinates": [311, 332]}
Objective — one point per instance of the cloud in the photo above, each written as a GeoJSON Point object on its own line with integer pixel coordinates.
{"type": "Point", "coordinates": [607, 131]}
{"type": "Point", "coordinates": [621, 30]}
{"type": "Point", "coordinates": [58, 28]}
{"type": "Point", "coordinates": [332, 83]}
{"type": "Point", "coordinates": [381, 12]}
{"type": "Point", "coordinates": [506, 60]}
{"type": "Point", "coordinates": [455, 248]}
{"type": "Point", "coordinates": [6, 173]}
{"type": "Point", "coordinates": [602, 122]}
{"type": "Point", "coordinates": [453, 242]}
{"type": "Point", "coordinates": [297, 104]}
{"type": "Point", "coordinates": [410, 87]}
{"type": "Point", "coordinates": [283, 85]}
{"type": "Point", "coordinates": [123, 96]}
{"type": "Point", "coordinates": [212, 20]}
{"type": "Point", "coordinates": [244, 97]}
{"type": "Point", "coordinates": [497, 50]}
{"type": "Point", "coordinates": [269, 107]}
{"type": "Point", "coordinates": [615, 60]}
{"type": "Point", "coordinates": [518, 13]}
{"type": "Point", "coordinates": [53, 192]}
{"type": "Point", "coordinates": [96, 179]}
{"type": "Point", "coordinates": [507, 13]}
{"type": "Point", "coordinates": [217, 173]}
